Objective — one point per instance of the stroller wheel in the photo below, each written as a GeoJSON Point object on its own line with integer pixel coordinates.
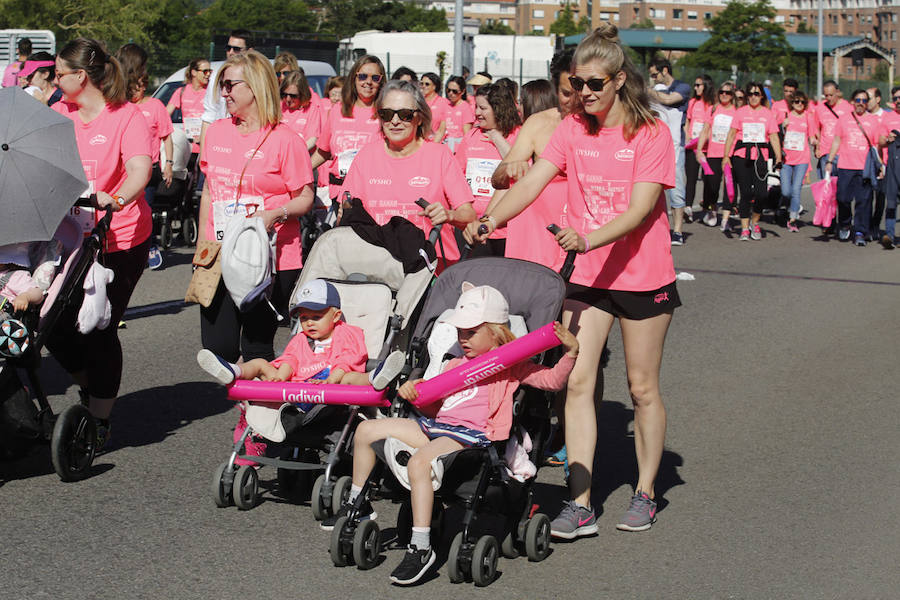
{"type": "Point", "coordinates": [221, 491]}
{"type": "Point", "coordinates": [508, 547]}
{"type": "Point", "coordinates": [73, 443]}
{"type": "Point", "coordinates": [246, 487]}
{"type": "Point", "coordinates": [484, 560]}
{"type": "Point", "coordinates": [537, 537]}
{"type": "Point", "coordinates": [340, 494]}
{"type": "Point", "coordinates": [165, 234]}
{"type": "Point", "coordinates": [339, 556]}
{"type": "Point", "coordinates": [320, 508]}
{"type": "Point", "coordinates": [454, 565]}
{"type": "Point", "coordinates": [189, 230]}
{"type": "Point", "coordinates": [366, 545]}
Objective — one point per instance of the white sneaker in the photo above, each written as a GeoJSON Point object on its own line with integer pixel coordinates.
{"type": "Point", "coordinates": [388, 370]}
{"type": "Point", "coordinates": [215, 365]}
{"type": "Point", "coordinates": [711, 219]}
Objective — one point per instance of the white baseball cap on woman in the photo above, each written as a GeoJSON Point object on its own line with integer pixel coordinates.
{"type": "Point", "coordinates": [477, 305]}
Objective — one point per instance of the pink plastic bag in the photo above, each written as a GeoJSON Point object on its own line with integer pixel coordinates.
{"type": "Point", "coordinates": [825, 195]}
{"type": "Point", "coordinates": [729, 182]}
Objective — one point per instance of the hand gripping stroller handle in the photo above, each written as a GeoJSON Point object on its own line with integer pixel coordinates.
{"type": "Point", "coordinates": [569, 265]}
{"type": "Point", "coordinates": [435, 232]}
{"type": "Point", "coordinates": [279, 392]}
{"type": "Point", "coordinates": [486, 365]}
{"type": "Point", "coordinates": [103, 224]}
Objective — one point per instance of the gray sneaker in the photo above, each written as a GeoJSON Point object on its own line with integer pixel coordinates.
{"type": "Point", "coordinates": [756, 233]}
{"type": "Point", "coordinates": [574, 521]}
{"type": "Point", "coordinates": [641, 514]}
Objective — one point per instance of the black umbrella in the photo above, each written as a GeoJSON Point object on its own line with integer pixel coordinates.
{"type": "Point", "coordinates": [40, 170]}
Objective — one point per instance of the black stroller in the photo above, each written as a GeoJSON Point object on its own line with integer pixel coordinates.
{"type": "Point", "coordinates": [476, 479]}
{"type": "Point", "coordinates": [72, 434]}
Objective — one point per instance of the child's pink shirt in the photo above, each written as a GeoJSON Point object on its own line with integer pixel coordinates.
{"type": "Point", "coordinates": [487, 406]}
{"type": "Point", "coordinates": [280, 166]}
{"type": "Point", "coordinates": [20, 281]}
{"type": "Point", "coordinates": [347, 352]}
{"type": "Point", "coordinates": [601, 171]}
{"type": "Point", "coordinates": [116, 135]}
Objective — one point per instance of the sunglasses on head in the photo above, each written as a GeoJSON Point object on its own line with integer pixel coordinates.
{"type": "Point", "coordinates": [364, 76]}
{"type": "Point", "coordinates": [228, 84]}
{"type": "Point", "coordinates": [230, 48]}
{"type": "Point", "coordinates": [594, 84]}
{"type": "Point", "coordinates": [405, 114]}
{"type": "Point", "coordinates": [285, 96]}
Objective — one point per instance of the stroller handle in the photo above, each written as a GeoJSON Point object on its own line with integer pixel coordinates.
{"type": "Point", "coordinates": [435, 232]}
{"type": "Point", "coordinates": [569, 265]}
{"type": "Point", "coordinates": [102, 226]}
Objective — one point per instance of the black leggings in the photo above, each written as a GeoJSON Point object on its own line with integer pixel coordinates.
{"type": "Point", "coordinates": [691, 172]}
{"type": "Point", "coordinates": [99, 353]}
{"type": "Point", "coordinates": [754, 191]}
{"type": "Point", "coordinates": [711, 185]}
{"type": "Point", "coordinates": [231, 334]}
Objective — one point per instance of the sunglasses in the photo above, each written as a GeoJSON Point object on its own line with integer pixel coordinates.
{"type": "Point", "coordinates": [364, 76]}
{"type": "Point", "coordinates": [285, 96]}
{"type": "Point", "coordinates": [280, 74]}
{"type": "Point", "coordinates": [205, 71]}
{"type": "Point", "coordinates": [726, 92]}
{"type": "Point", "coordinates": [698, 85]}
{"type": "Point", "coordinates": [896, 98]}
{"type": "Point", "coordinates": [228, 84]}
{"type": "Point", "coordinates": [230, 48]}
{"type": "Point", "coordinates": [754, 94]}
{"type": "Point", "coordinates": [405, 114]}
{"type": "Point", "coordinates": [861, 100]}
{"type": "Point", "coordinates": [800, 102]}
{"type": "Point", "coordinates": [594, 84]}
{"type": "Point", "coordinates": [452, 91]}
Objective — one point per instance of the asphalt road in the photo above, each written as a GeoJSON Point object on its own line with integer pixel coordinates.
{"type": "Point", "coordinates": [778, 480]}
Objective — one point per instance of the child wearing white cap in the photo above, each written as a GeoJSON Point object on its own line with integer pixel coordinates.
{"type": "Point", "coordinates": [328, 349]}
{"type": "Point", "coordinates": [474, 416]}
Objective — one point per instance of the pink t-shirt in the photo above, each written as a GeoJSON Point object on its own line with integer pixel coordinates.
{"type": "Point", "coordinates": [889, 121]}
{"type": "Point", "coordinates": [279, 166]}
{"type": "Point", "coordinates": [719, 125]}
{"type": "Point", "coordinates": [697, 114]}
{"type": "Point", "coordinates": [781, 110]}
{"type": "Point", "coordinates": [854, 146]}
{"type": "Point", "coordinates": [439, 107]}
{"type": "Point", "coordinates": [389, 186]}
{"type": "Point", "coordinates": [526, 234]}
{"type": "Point", "coordinates": [158, 121]}
{"type": "Point", "coordinates": [306, 122]}
{"type": "Point", "coordinates": [826, 123]}
{"type": "Point", "coordinates": [601, 171]}
{"type": "Point", "coordinates": [191, 104]}
{"type": "Point", "coordinates": [11, 74]}
{"type": "Point", "coordinates": [797, 129]}
{"type": "Point", "coordinates": [116, 135]}
{"type": "Point", "coordinates": [458, 115]}
{"type": "Point", "coordinates": [344, 136]}
{"type": "Point", "coordinates": [753, 126]}
{"type": "Point", "coordinates": [478, 158]}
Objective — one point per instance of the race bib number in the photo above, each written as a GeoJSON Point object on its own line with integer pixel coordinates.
{"type": "Point", "coordinates": [192, 127]}
{"type": "Point", "coordinates": [224, 211]}
{"type": "Point", "coordinates": [720, 127]}
{"type": "Point", "coordinates": [696, 128]}
{"type": "Point", "coordinates": [345, 159]}
{"type": "Point", "coordinates": [754, 133]}
{"type": "Point", "coordinates": [85, 217]}
{"type": "Point", "coordinates": [795, 140]}
{"type": "Point", "coordinates": [478, 173]}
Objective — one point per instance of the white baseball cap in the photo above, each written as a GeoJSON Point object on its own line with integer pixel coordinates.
{"type": "Point", "coordinates": [477, 305]}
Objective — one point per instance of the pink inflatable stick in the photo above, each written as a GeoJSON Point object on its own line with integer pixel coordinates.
{"type": "Point", "coordinates": [729, 182]}
{"type": "Point", "coordinates": [278, 392]}
{"type": "Point", "coordinates": [486, 365]}
{"type": "Point", "coordinates": [707, 170]}
{"type": "Point", "coordinates": [691, 144]}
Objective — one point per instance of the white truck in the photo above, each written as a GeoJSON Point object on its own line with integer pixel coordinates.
{"type": "Point", "coordinates": [42, 40]}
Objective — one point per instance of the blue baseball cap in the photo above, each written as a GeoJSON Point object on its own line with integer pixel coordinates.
{"type": "Point", "coordinates": [317, 294]}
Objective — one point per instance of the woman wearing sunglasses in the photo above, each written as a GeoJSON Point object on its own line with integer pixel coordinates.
{"type": "Point", "coordinates": [190, 100]}
{"type": "Point", "coordinates": [256, 167]}
{"type": "Point", "coordinates": [431, 87]}
{"type": "Point", "coordinates": [711, 149]}
{"type": "Point", "coordinates": [698, 110]}
{"type": "Point", "coordinates": [799, 126]}
{"type": "Point", "coordinates": [618, 159]}
{"type": "Point", "coordinates": [351, 127]}
{"type": "Point", "coordinates": [391, 173]}
{"type": "Point", "coordinates": [299, 110]}
{"type": "Point", "coordinates": [460, 115]}
{"type": "Point", "coordinates": [482, 150]}
{"type": "Point", "coordinates": [752, 136]}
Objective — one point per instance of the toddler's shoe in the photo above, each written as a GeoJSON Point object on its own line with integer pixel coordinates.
{"type": "Point", "coordinates": [222, 370]}
{"type": "Point", "coordinates": [415, 564]}
{"type": "Point", "coordinates": [388, 370]}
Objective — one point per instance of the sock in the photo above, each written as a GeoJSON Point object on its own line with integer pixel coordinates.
{"type": "Point", "coordinates": [421, 538]}
{"type": "Point", "coordinates": [236, 369]}
{"type": "Point", "coordinates": [354, 492]}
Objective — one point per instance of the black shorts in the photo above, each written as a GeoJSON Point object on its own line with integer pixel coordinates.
{"type": "Point", "coordinates": [627, 305]}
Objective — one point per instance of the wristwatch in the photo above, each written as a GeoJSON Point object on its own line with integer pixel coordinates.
{"type": "Point", "coordinates": [120, 201]}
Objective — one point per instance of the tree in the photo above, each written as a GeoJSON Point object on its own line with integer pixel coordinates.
{"type": "Point", "coordinates": [440, 61]}
{"type": "Point", "coordinates": [266, 15]}
{"type": "Point", "coordinates": [565, 22]}
{"type": "Point", "coordinates": [804, 28]}
{"type": "Point", "coordinates": [346, 17]}
{"type": "Point", "coordinates": [644, 24]}
{"type": "Point", "coordinates": [744, 34]}
{"type": "Point", "coordinates": [492, 27]}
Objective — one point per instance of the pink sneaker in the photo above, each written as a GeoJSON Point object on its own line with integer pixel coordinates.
{"type": "Point", "coordinates": [252, 446]}
{"type": "Point", "coordinates": [792, 227]}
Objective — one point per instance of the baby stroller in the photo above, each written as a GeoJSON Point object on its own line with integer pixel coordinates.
{"type": "Point", "coordinates": [379, 294]}
{"type": "Point", "coordinates": [174, 209]}
{"type": "Point", "coordinates": [72, 434]}
{"type": "Point", "coordinates": [477, 479]}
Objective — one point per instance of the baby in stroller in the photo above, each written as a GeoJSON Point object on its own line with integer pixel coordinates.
{"type": "Point", "coordinates": [472, 417]}
{"type": "Point", "coordinates": [19, 286]}
{"type": "Point", "coordinates": [327, 350]}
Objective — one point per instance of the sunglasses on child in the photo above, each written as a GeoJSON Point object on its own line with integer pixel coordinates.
{"type": "Point", "coordinates": [364, 76]}
{"type": "Point", "coordinates": [405, 114]}
{"type": "Point", "coordinates": [593, 84]}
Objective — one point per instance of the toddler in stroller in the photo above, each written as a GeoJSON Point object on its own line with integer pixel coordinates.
{"type": "Point", "coordinates": [475, 416]}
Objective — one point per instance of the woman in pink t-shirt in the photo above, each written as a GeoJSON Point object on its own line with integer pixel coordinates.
{"type": "Point", "coordinates": [799, 128]}
{"type": "Point", "coordinates": [431, 87]}
{"type": "Point", "coordinates": [390, 174]}
{"type": "Point", "coordinates": [698, 111]}
{"type": "Point", "coordinates": [711, 149]}
{"type": "Point", "coordinates": [481, 151]}
{"type": "Point", "coordinates": [298, 110]}
{"type": "Point", "coordinates": [115, 145]}
{"type": "Point", "coordinates": [618, 160]}
{"type": "Point", "coordinates": [353, 125]}
{"type": "Point", "coordinates": [753, 132]}
{"type": "Point", "coordinates": [255, 166]}
{"type": "Point", "coordinates": [190, 100]}
{"type": "Point", "coordinates": [460, 115]}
